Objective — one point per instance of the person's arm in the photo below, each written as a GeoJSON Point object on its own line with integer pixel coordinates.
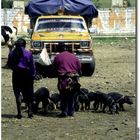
{"type": "Point", "coordinates": [79, 67]}
{"type": "Point", "coordinates": [9, 62]}
{"type": "Point", "coordinates": [54, 67]}
{"type": "Point", "coordinates": [32, 66]}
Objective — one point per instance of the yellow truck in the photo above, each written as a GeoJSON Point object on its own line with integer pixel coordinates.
{"type": "Point", "coordinates": [63, 21]}
{"type": "Point", "coordinates": [72, 31]}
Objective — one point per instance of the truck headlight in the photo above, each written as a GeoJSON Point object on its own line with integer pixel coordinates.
{"type": "Point", "coordinates": [36, 44]}
{"type": "Point", "coordinates": [84, 44]}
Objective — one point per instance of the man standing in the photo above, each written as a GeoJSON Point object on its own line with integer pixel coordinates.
{"type": "Point", "coordinates": [68, 67]}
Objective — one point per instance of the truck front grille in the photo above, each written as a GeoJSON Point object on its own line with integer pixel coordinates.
{"type": "Point", "coordinates": [53, 46]}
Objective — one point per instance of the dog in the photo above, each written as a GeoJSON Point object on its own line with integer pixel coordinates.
{"type": "Point", "coordinates": [42, 95]}
{"type": "Point", "coordinates": [121, 99]}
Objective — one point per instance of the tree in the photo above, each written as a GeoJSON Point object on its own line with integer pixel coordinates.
{"type": "Point", "coordinates": [97, 3]}
{"type": "Point", "coordinates": [6, 4]}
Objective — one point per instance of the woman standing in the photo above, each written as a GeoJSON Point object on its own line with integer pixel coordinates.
{"type": "Point", "coordinates": [20, 61]}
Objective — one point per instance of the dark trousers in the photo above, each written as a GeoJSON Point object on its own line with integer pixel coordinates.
{"type": "Point", "coordinates": [23, 85]}
{"type": "Point", "coordinates": [68, 102]}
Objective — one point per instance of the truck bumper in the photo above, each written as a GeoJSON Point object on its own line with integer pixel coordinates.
{"type": "Point", "coordinates": [83, 58]}
{"type": "Point", "coordinates": [87, 62]}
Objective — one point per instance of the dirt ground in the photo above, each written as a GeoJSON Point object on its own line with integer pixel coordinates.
{"type": "Point", "coordinates": [115, 71]}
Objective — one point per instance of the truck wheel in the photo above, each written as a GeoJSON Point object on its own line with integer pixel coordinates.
{"type": "Point", "coordinates": [88, 69]}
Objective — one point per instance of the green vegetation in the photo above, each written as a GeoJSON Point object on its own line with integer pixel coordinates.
{"type": "Point", "coordinates": [6, 4]}
{"type": "Point", "coordinates": [114, 40]}
{"type": "Point", "coordinates": [102, 3]}
{"type": "Point", "coordinates": [108, 3]}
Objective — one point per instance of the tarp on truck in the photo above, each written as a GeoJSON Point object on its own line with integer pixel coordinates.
{"type": "Point", "coordinates": [85, 8]}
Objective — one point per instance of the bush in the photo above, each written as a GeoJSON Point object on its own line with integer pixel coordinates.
{"type": "Point", "coordinates": [6, 4]}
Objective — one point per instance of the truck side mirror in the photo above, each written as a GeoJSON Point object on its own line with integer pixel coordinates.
{"type": "Point", "coordinates": [30, 31]}
{"type": "Point", "coordinates": [92, 31]}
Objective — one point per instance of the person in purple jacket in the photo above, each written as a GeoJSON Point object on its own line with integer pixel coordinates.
{"type": "Point", "coordinates": [68, 68]}
{"type": "Point", "coordinates": [21, 62]}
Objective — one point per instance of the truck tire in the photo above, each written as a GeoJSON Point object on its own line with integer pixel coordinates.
{"type": "Point", "coordinates": [88, 68]}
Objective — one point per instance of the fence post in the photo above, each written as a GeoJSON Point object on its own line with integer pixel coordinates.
{"type": "Point", "coordinates": [5, 16]}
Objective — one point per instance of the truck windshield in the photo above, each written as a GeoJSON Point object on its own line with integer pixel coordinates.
{"type": "Point", "coordinates": [59, 24]}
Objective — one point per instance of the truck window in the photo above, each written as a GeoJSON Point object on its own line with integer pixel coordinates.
{"type": "Point", "coordinates": [57, 25]}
